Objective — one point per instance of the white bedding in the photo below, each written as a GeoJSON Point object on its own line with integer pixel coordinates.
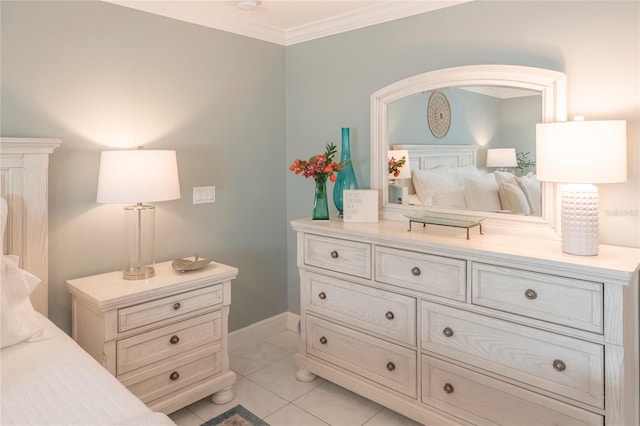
{"type": "Point", "coordinates": [54, 382]}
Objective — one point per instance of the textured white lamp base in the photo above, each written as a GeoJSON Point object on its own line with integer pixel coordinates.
{"type": "Point", "coordinates": [580, 219]}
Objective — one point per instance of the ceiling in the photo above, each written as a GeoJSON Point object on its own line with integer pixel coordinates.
{"type": "Point", "coordinates": [287, 22]}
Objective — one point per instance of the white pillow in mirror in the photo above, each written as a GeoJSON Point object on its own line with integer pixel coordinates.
{"type": "Point", "coordinates": [481, 193]}
{"type": "Point", "coordinates": [442, 180]}
{"type": "Point", "coordinates": [531, 187]}
{"type": "Point", "coordinates": [512, 198]}
{"type": "Point", "coordinates": [19, 320]}
{"type": "Point", "coordinates": [504, 177]}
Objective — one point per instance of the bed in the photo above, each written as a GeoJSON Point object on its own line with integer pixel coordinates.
{"type": "Point", "coordinates": [46, 378]}
{"type": "Point", "coordinates": [447, 176]}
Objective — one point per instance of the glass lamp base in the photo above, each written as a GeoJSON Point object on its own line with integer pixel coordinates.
{"type": "Point", "coordinates": [141, 273]}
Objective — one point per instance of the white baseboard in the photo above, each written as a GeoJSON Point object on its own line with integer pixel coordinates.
{"type": "Point", "coordinates": [258, 331]}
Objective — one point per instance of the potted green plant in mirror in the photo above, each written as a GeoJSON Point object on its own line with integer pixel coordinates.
{"type": "Point", "coordinates": [525, 164]}
{"type": "Point", "coordinates": [320, 167]}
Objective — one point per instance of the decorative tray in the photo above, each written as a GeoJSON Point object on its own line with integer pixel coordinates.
{"type": "Point", "coordinates": [185, 265]}
{"type": "Point", "coordinates": [445, 219]}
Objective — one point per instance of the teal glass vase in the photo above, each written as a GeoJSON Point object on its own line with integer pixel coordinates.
{"type": "Point", "coordinates": [346, 178]}
{"type": "Point", "coordinates": [320, 202]}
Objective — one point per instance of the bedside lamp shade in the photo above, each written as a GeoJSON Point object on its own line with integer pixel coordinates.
{"type": "Point", "coordinates": [138, 176]}
{"type": "Point", "coordinates": [501, 157]}
{"type": "Point", "coordinates": [581, 153]}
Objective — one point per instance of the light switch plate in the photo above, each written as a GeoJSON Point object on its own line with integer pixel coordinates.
{"type": "Point", "coordinates": [204, 194]}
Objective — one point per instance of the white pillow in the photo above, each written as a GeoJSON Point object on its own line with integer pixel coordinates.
{"type": "Point", "coordinates": [504, 177]}
{"type": "Point", "coordinates": [19, 320]}
{"type": "Point", "coordinates": [530, 185]}
{"type": "Point", "coordinates": [441, 180]}
{"type": "Point", "coordinates": [512, 198]}
{"type": "Point", "coordinates": [453, 197]}
{"type": "Point", "coordinates": [481, 193]}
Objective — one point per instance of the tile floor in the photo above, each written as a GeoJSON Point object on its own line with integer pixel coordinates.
{"type": "Point", "coordinates": [267, 387]}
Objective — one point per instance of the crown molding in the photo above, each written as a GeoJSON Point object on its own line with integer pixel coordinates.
{"type": "Point", "coordinates": [375, 14]}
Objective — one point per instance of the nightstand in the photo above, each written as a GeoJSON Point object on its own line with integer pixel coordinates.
{"type": "Point", "coordinates": [164, 338]}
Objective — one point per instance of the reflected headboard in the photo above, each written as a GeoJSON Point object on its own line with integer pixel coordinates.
{"type": "Point", "coordinates": [24, 165]}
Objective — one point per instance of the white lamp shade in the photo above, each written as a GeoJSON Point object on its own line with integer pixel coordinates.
{"type": "Point", "coordinates": [405, 170]}
{"type": "Point", "coordinates": [501, 157]}
{"type": "Point", "coordinates": [138, 176]}
{"type": "Point", "coordinates": [582, 151]}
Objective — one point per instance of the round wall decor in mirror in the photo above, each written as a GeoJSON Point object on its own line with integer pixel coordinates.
{"type": "Point", "coordinates": [438, 114]}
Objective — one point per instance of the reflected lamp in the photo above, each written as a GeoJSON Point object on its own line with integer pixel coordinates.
{"type": "Point", "coordinates": [501, 158]}
{"type": "Point", "coordinates": [138, 176]}
{"type": "Point", "coordinates": [579, 154]}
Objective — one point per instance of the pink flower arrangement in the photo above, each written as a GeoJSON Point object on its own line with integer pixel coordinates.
{"type": "Point", "coordinates": [396, 165]}
{"type": "Point", "coordinates": [319, 165]}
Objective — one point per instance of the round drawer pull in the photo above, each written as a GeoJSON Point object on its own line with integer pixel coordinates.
{"type": "Point", "coordinates": [559, 365]}
{"type": "Point", "coordinates": [334, 254]}
{"type": "Point", "coordinates": [530, 294]}
{"type": "Point", "coordinates": [174, 376]}
{"type": "Point", "coordinates": [322, 296]}
{"type": "Point", "coordinates": [415, 271]}
{"type": "Point", "coordinates": [447, 332]}
{"type": "Point", "coordinates": [389, 315]}
{"type": "Point", "coordinates": [323, 340]}
{"type": "Point", "coordinates": [174, 340]}
{"type": "Point", "coordinates": [448, 388]}
{"type": "Point", "coordinates": [176, 306]}
{"type": "Point", "coordinates": [391, 366]}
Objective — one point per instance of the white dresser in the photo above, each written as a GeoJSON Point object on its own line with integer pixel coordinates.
{"type": "Point", "coordinates": [493, 330]}
{"type": "Point", "coordinates": [165, 338]}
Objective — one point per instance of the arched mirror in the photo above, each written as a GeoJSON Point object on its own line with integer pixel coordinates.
{"type": "Point", "coordinates": [446, 123]}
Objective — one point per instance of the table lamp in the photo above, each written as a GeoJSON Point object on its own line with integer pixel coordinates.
{"type": "Point", "coordinates": [579, 154]}
{"type": "Point", "coordinates": [138, 176]}
{"type": "Point", "coordinates": [403, 171]}
{"type": "Point", "coordinates": [501, 157]}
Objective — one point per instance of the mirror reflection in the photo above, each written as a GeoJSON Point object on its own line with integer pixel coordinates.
{"type": "Point", "coordinates": [484, 161]}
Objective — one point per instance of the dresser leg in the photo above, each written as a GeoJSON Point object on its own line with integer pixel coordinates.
{"type": "Point", "coordinates": [305, 376]}
{"type": "Point", "coordinates": [223, 396]}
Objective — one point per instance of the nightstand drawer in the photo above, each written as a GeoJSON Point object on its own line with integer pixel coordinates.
{"type": "Point", "coordinates": [487, 400]}
{"type": "Point", "coordinates": [152, 346]}
{"type": "Point", "coordinates": [560, 364]}
{"type": "Point", "coordinates": [349, 257]}
{"type": "Point", "coordinates": [440, 276]}
{"type": "Point", "coordinates": [566, 301]}
{"type": "Point", "coordinates": [168, 307]}
{"type": "Point", "coordinates": [165, 377]}
{"type": "Point", "coordinates": [382, 362]}
{"type": "Point", "coordinates": [388, 314]}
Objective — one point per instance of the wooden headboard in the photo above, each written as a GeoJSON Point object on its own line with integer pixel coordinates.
{"type": "Point", "coordinates": [24, 165]}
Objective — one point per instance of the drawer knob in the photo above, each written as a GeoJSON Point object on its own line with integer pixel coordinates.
{"type": "Point", "coordinates": [389, 315]}
{"type": "Point", "coordinates": [447, 332]}
{"type": "Point", "coordinates": [559, 365]}
{"type": "Point", "coordinates": [323, 340]}
{"type": "Point", "coordinates": [176, 306]}
{"type": "Point", "coordinates": [174, 340]}
{"type": "Point", "coordinates": [531, 294]}
{"type": "Point", "coordinates": [448, 388]}
{"type": "Point", "coordinates": [391, 366]}
{"type": "Point", "coordinates": [415, 271]}
{"type": "Point", "coordinates": [322, 296]}
{"type": "Point", "coordinates": [334, 254]}
{"type": "Point", "coordinates": [174, 376]}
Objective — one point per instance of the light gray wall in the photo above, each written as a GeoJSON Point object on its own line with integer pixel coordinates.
{"type": "Point", "coordinates": [329, 82]}
{"type": "Point", "coordinates": [99, 75]}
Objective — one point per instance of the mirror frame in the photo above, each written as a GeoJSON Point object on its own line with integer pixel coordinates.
{"type": "Point", "coordinates": [551, 84]}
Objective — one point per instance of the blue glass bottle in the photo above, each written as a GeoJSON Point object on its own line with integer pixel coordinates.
{"type": "Point", "coordinates": [346, 178]}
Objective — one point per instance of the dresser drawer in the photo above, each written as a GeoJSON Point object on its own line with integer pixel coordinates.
{"type": "Point", "coordinates": [349, 257]}
{"type": "Point", "coordinates": [146, 348]}
{"type": "Point", "coordinates": [559, 364]}
{"type": "Point", "coordinates": [169, 307]}
{"type": "Point", "coordinates": [440, 276]}
{"type": "Point", "coordinates": [165, 377]}
{"type": "Point", "coordinates": [388, 314]}
{"type": "Point", "coordinates": [484, 400]}
{"type": "Point", "coordinates": [382, 362]}
{"type": "Point", "coordinates": [566, 301]}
